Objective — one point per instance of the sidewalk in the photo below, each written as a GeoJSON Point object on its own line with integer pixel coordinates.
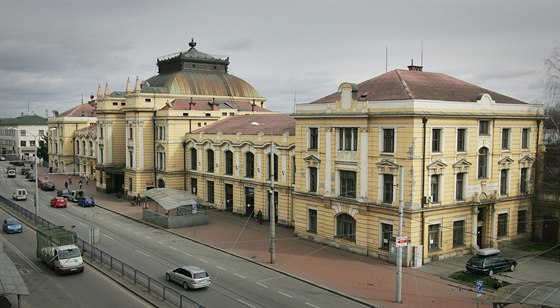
{"type": "Point", "coordinates": [368, 280]}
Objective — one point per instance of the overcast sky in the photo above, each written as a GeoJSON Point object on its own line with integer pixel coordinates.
{"type": "Point", "coordinates": [53, 52]}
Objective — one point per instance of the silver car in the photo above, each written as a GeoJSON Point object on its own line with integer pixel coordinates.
{"type": "Point", "coordinates": [190, 277]}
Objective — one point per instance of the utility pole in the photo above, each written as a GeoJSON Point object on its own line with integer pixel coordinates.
{"type": "Point", "coordinates": [399, 248]}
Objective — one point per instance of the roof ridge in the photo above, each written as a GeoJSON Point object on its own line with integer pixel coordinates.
{"type": "Point", "coordinates": [405, 86]}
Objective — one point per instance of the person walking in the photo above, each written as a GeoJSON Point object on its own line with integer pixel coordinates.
{"type": "Point", "coordinates": [259, 217]}
{"type": "Point", "coordinates": [66, 184]}
{"type": "Point", "coordinates": [80, 183]}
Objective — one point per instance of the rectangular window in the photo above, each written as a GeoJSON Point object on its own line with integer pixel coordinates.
{"type": "Point", "coordinates": [458, 233]}
{"type": "Point", "coordinates": [435, 187]}
{"type": "Point", "coordinates": [130, 131]}
{"type": "Point", "coordinates": [434, 237]}
{"type": "Point", "coordinates": [503, 224]}
{"type": "Point", "coordinates": [312, 179]}
{"type": "Point", "coordinates": [22, 132]}
{"type": "Point", "coordinates": [525, 138]}
{"type": "Point", "coordinates": [210, 191]}
{"type": "Point", "coordinates": [229, 163]}
{"type": "Point", "coordinates": [347, 184]}
{"type": "Point", "coordinates": [23, 143]}
{"type": "Point", "coordinates": [101, 132]}
{"type": "Point", "coordinates": [522, 221]}
{"type": "Point", "coordinates": [388, 188]}
{"type": "Point", "coordinates": [504, 184]}
{"type": "Point", "coordinates": [506, 138]}
{"type": "Point", "coordinates": [249, 165]}
{"type": "Point", "coordinates": [41, 132]}
{"type": "Point", "coordinates": [194, 187]}
{"type": "Point", "coordinates": [436, 140]}
{"type": "Point", "coordinates": [130, 158]}
{"type": "Point", "coordinates": [194, 159]}
{"type": "Point", "coordinates": [386, 233]}
{"type": "Point", "coordinates": [388, 140]}
{"type": "Point", "coordinates": [313, 138]}
{"type": "Point", "coordinates": [32, 143]}
{"type": "Point", "coordinates": [461, 139]}
{"type": "Point", "coordinates": [210, 161]}
{"type": "Point", "coordinates": [484, 128]}
{"type": "Point", "coordinates": [312, 220]}
{"type": "Point", "coordinates": [129, 184]}
{"type": "Point", "coordinates": [101, 156]}
{"type": "Point", "coordinates": [460, 186]}
{"type": "Point", "coordinates": [523, 180]}
{"type": "Point", "coordinates": [348, 139]}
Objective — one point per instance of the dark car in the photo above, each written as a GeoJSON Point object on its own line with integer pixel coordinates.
{"type": "Point", "coordinates": [86, 202]}
{"type": "Point", "coordinates": [24, 170]}
{"type": "Point", "coordinates": [63, 193]}
{"type": "Point", "coordinates": [48, 186]}
{"type": "Point", "coordinates": [488, 261]}
{"type": "Point", "coordinates": [12, 225]}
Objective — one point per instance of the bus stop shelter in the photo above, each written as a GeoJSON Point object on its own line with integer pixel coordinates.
{"type": "Point", "coordinates": [175, 208]}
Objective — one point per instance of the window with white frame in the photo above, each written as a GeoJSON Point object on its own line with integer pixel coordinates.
{"type": "Point", "coordinates": [504, 182]}
{"type": "Point", "coordinates": [249, 165]}
{"type": "Point", "coordinates": [388, 186]}
{"type": "Point", "coordinates": [483, 163]}
{"type": "Point", "coordinates": [502, 224]}
{"type": "Point", "coordinates": [347, 183]}
{"type": "Point", "coordinates": [525, 138]}
{"type": "Point", "coordinates": [388, 140]}
{"type": "Point", "coordinates": [434, 237]}
{"type": "Point", "coordinates": [484, 128]}
{"type": "Point", "coordinates": [348, 138]}
{"type": "Point", "coordinates": [436, 140]}
{"type": "Point", "coordinates": [228, 162]}
{"type": "Point", "coordinates": [312, 220]}
{"type": "Point", "coordinates": [460, 186]}
{"type": "Point", "coordinates": [458, 233]}
{"type": "Point", "coordinates": [210, 160]}
{"type": "Point", "coordinates": [523, 181]}
{"type": "Point", "coordinates": [77, 147]}
{"type": "Point", "coordinates": [506, 138]}
{"type": "Point", "coordinates": [312, 179]}
{"type": "Point", "coordinates": [435, 187]}
{"type": "Point", "coordinates": [386, 234]}
{"type": "Point", "coordinates": [313, 138]}
{"type": "Point", "coordinates": [210, 191]}
{"type": "Point", "coordinates": [130, 158]}
{"type": "Point", "coordinates": [461, 139]}
{"type": "Point", "coordinates": [194, 159]}
{"type": "Point", "coordinates": [160, 160]}
{"type": "Point", "coordinates": [346, 227]}
{"type": "Point", "coordinates": [130, 132]}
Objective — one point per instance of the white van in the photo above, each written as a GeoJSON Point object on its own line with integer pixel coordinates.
{"type": "Point", "coordinates": [20, 194]}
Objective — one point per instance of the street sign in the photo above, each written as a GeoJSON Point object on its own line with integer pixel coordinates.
{"type": "Point", "coordinates": [401, 241]}
{"type": "Point", "coordinates": [194, 208]}
{"type": "Point", "coordinates": [479, 285]}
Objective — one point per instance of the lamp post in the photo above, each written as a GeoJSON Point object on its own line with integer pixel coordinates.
{"type": "Point", "coordinates": [36, 173]}
{"type": "Point", "coordinates": [271, 209]}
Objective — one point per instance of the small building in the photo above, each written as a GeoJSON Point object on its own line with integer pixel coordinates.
{"type": "Point", "coordinates": [20, 137]}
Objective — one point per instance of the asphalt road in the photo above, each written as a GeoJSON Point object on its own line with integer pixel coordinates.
{"type": "Point", "coordinates": [235, 282]}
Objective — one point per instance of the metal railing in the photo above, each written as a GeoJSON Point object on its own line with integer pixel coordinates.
{"type": "Point", "coordinates": [127, 272]}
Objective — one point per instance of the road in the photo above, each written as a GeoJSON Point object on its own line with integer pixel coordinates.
{"type": "Point", "coordinates": [235, 281]}
{"type": "Point", "coordinates": [47, 289]}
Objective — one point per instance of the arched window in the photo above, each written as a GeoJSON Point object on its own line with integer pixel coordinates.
{"type": "Point", "coordinates": [271, 167]}
{"type": "Point", "coordinates": [483, 163]}
{"type": "Point", "coordinates": [193, 159]}
{"type": "Point", "coordinates": [346, 227]}
{"type": "Point", "coordinates": [249, 165]}
{"type": "Point", "coordinates": [161, 183]}
{"type": "Point", "coordinates": [229, 162]}
{"type": "Point", "coordinates": [209, 160]}
{"type": "Point", "coordinates": [77, 147]}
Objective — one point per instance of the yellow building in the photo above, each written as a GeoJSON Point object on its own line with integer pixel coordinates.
{"type": "Point", "coordinates": [85, 151]}
{"type": "Point", "coordinates": [229, 164]}
{"type": "Point", "coordinates": [140, 130]}
{"type": "Point", "coordinates": [467, 154]}
{"type": "Point", "coordinates": [61, 129]}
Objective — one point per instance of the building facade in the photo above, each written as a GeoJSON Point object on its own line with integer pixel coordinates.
{"type": "Point", "coordinates": [19, 137]}
{"type": "Point", "coordinates": [468, 156]}
{"type": "Point", "coordinates": [140, 130]}
{"type": "Point", "coordinates": [85, 151]}
{"type": "Point", "coordinates": [61, 129]}
{"type": "Point", "coordinates": [239, 164]}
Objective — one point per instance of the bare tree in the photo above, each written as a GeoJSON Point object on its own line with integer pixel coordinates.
{"type": "Point", "coordinates": [552, 79]}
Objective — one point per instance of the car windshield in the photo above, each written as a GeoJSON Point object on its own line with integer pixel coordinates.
{"type": "Point", "coordinates": [69, 253]}
{"type": "Point", "coordinates": [12, 222]}
{"type": "Point", "coordinates": [200, 275]}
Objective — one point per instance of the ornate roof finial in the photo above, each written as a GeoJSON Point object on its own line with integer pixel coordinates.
{"type": "Point", "coordinates": [128, 85]}
{"type": "Point", "coordinates": [99, 93]}
{"type": "Point", "coordinates": [107, 93]}
{"type": "Point", "coordinates": [192, 43]}
{"type": "Point", "coordinates": [137, 87]}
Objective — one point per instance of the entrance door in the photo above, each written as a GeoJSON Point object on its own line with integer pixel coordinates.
{"type": "Point", "coordinates": [249, 201]}
{"type": "Point", "coordinates": [479, 235]}
{"type": "Point", "coordinates": [229, 197]}
{"type": "Point", "coordinates": [550, 229]}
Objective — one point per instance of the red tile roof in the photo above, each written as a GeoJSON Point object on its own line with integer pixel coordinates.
{"type": "Point", "coordinates": [82, 110]}
{"type": "Point", "coordinates": [276, 124]}
{"type": "Point", "coordinates": [405, 84]}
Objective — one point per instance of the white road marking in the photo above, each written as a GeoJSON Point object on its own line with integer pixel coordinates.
{"type": "Point", "coordinates": [309, 304]}
{"type": "Point", "coordinates": [238, 275]}
{"type": "Point", "coordinates": [142, 253]}
{"type": "Point", "coordinates": [172, 248]}
{"type": "Point", "coordinates": [148, 237]}
{"type": "Point", "coordinates": [127, 229]}
{"type": "Point", "coordinates": [245, 303]}
{"type": "Point", "coordinates": [109, 237]}
{"type": "Point", "coordinates": [203, 260]}
{"type": "Point", "coordinates": [223, 269]}
{"type": "Point", "coordinates": [188, 254]}
{"type": "Point", "coordinates": [288, 295]}
{"type": "Point", "coordinates": [137, 233]}
{"type": "Point", "coordinates": [83, 224]}
{"type": "Point", "coordinates": [262, 285]}
{"type": "Point", "coordinates": [160, 242]}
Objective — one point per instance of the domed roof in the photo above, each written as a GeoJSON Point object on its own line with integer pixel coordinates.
{"type": "Point", "coordinates": [197, 73]}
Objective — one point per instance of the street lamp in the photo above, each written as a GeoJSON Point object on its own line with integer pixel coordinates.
{"type": "Point", "coordinates": [36, 172]}
{"type": "Point", "coordinates": [271, 209]}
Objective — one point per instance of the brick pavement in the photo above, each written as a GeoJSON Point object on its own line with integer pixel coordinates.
{"type": "Point", "coordinates": [364, 278]}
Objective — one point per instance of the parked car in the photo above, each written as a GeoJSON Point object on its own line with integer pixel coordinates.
{"type": "Point", "coordinates": [58, 202]}
{"type": "Point", "coordinates": [32, 177]}
{"type": "Point", "coordinates": [12, 225]}
{"type": "Point", "coordinates": [63, 193]}
{"type": "Point", "coordinates": [75, 195]}
{"type": "Point", "coordinates": [489, 261]}
{"type": "Point", "coordinates": [190, 277]}
{"type": "Point", "coordinates": [48, 186]}
{"type": "Point", "coordinates": [86, 201]}
{"type": "Point", "coordinates": [20, 194]}
{"type": "Point", "coordinates": [2, 158]}
{"type": "Point", "coordinates": [24, 170]}
{"type": "Point", "coordinates": [29, 173]}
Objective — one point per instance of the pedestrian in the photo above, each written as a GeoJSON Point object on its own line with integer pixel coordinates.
{"type": "Point", "coordinates": [259, 217]}
{"type": "Point", "coordinates": [138, 199]}
{"type": "Point", "coordinates": [87, 181]}
{"type": "Point", "coordinates": [70, 180]}
{"type": "Point", "coordinates": [66, 185]}
{"type": "Point", "coordinates": [80, 183]}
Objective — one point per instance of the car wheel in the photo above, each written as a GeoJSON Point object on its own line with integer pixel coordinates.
{"type": "Point", "coordinates": [167, 277]}
{"type": "Point", "coordinates": [491, 273]}
{"type": "Point", "coordinates": [185, 286]}
{"type": "Point", "coordinates": [512, 268]}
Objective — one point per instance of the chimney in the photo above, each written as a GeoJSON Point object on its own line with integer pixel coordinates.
{"type": "Point", "coordinates": [413, 67]}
